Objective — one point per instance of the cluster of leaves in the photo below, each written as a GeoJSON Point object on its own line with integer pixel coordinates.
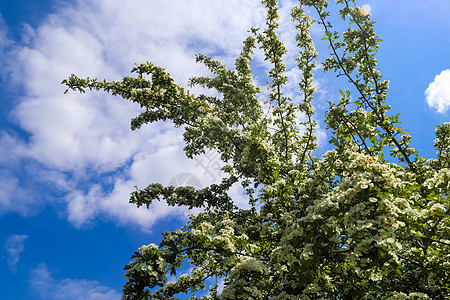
{"type": "Point", "coordinates": [353, 223]}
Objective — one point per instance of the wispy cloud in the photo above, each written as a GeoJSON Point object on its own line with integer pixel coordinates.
{"type": "Point", "coordinates": [438, 92]}
{"type": "Point", "coordinates": [5, 42]}
{"type": "Point", "coordinates": [13, 247]}
{"type": "Point", "coordinates": [14, 198]}
{"type": "Point", "coordinates": [47, 287]}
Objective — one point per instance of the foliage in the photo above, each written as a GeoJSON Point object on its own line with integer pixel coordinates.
{"type": "Point", "coordinates": [357, 222]}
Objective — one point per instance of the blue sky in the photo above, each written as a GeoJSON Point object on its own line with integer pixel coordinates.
{"type": "Point", "coordinates": [69, 162]}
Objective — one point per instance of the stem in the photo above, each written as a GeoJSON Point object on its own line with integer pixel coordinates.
{"type": "Point", "coordinates": [383, 123]}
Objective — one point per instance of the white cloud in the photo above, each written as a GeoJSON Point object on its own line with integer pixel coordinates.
{"type": "Point", "coordinates": [14, 198]}
{"type": "Point", "coordinates": [13, 246]}
{"type": "Point", "coordinates": [4, 40]}
{"type": "Point", "coordinates": [438, 92]}
{"type": "Point", "coordinates": [50, 288]}
{"type": "Point", "coordinates": [21, 177]}
{"type": "Point", "coordinates": [8, 142]}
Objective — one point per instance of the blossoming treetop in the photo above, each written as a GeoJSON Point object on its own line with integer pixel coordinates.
{"type": "Point", "coordinates": [368, 219]}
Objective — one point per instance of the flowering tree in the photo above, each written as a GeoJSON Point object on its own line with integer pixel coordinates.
{"type": "Point", "coordinates": [367, 219]}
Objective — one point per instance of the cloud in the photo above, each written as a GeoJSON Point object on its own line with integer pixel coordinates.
{"type": "Point", "coordinates": [5, 42]}
{"type": "Point", "coordinates": [50, 288]}
{"type": "Point", "coordinates": [13, 246]}
{"type": "Point", "coordinates": [14, 198]}
{"type": "Point", "coordinates": [22, 179]}
{"type": "Point", "coordinates": [438, 92]}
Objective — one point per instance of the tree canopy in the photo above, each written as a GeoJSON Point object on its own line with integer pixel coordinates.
{"type": "Point", "coordinates": [367, 219]}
